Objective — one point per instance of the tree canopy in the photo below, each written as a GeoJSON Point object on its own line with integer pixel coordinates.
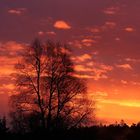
{"type": "Point", "coordinates": [48, 94]}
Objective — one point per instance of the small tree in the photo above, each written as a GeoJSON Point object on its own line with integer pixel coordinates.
{"type": "Point", "coordinates": [48, 88]}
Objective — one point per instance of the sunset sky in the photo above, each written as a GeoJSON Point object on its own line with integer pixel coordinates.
{"type": "Point", "coordinates": [104, 36]}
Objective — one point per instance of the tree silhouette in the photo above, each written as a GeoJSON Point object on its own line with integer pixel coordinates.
{"type": "Point", "coordinates": [48, 89]}
{"type": "Point", "coordinates": [3, 127]}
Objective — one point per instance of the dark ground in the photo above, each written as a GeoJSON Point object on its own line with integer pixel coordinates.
{"type": "Point", "coordinates": [111, 132]}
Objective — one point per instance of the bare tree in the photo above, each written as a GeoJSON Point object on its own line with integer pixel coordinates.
{"type": "Point", "coordinates": [47, 86]}
{"type": "Point", "coordinates": [66, 91]}
{"type": "Point", "coordinates": [30, 82]}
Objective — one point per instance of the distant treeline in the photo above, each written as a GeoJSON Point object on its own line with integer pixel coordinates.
{"type": "Point", "coordinates": [116, 131]}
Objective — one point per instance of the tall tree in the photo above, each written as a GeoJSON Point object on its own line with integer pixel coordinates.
{"type": "Point", "coordinates": [48, 88]}
{"type": "Point", "coordinates": [30, 83]}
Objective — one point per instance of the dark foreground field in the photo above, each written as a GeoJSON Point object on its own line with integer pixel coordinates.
{"type": "Point", "coordinates": [111, 132]}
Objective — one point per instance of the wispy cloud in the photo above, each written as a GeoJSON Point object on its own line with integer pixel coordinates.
{"type": "Point", "coordinates": [82, 68]}
{"type": "Point", "coordinates": [98, 95]}
{"type": "Point", "coordinates": [111, 10]}
{"type": "Point", "coordinates": [135, 83]}
{"type": "Point", "coordinates": [95, 71]}
{"type": "Point", "coordinates": [124, 82]}
{"type": "Point", "coordinates": [84, 76]}
{"type": "Point", "coordinates": [125, 66]}
{"type": "Point", "coordinates": [106, 26]}
{"type": "Point", "coordinates": [44, 33]}
{"type": "Point", "coordinates": [9, 54]}
{"type": "Point", "coordinates": [50, 33]}
{"type": "Point", "coordinates": [132, 60]}
{"type": "Point", "coordinates": [17, 11]}
{"type": "Point", "coordinates": [84, 42]}
{"type": "Point", "coordinates": [109, 24]}
{"type": "Point", "coordinates": [88, 42]}
{"type": "Point", "coordinates": [82, 58]}
{"type": "Point", "coordinates": [10, 48]}
{"type": "Point", "coordinates": [128, 103]}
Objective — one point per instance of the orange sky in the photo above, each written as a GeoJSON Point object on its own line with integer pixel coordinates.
{"type": "Point", "coordinates": [104, 37]}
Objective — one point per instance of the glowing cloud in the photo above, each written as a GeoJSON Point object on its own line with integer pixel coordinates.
{"type": "Point", "coordinates": [125, 66]}
{"type": "Point", "coordinates": [129, 29]}
{"type": "Point", "coordinates": [124, 82]}
{"type": "Point", "coordinates": [88, 42]}
{"type": "Point", "coordinates": [40, 33]}
{"type": "Point", "coordinates": [82, 68]}
{"type": "Point", "coordinates": [60, 24]}
{"type": "Point", "coordinates": [82, 58]}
